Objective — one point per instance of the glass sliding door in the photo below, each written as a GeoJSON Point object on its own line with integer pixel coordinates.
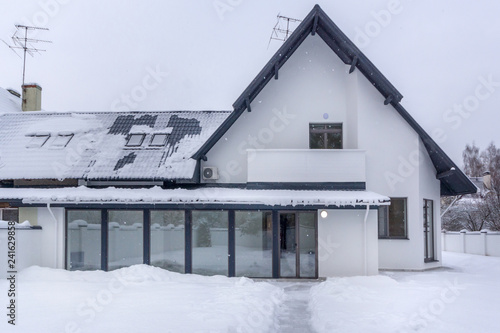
{"type": "Point", "coordinates": [83, 247]}
{"type": "Point", "coordinates": [307, 244]}
{"type": "Point", "coordinates": [253, 243]}
{"type": "Point", "coordinates": [167, 239]}
{"type": "Point", "coordinates": [209, 241]}
{"type": "Point", "coordinates": [288, 245]}
{"type": "Point", "coordinates": [125, 238]}
{"type": "Point", "coordinates": [298, 242]}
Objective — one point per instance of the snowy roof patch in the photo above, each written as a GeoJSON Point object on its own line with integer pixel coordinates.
{"type": "Point", "coordinates": [206, 195]}
{"type": "Point", "coordinates": [94, 146]}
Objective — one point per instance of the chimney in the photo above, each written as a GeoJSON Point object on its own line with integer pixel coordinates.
{"type": "Point", "coordinates": [32, 97]}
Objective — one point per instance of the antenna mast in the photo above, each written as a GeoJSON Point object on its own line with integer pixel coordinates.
{"type": "Point", "coordinates": [282, 33]}
{"type": "Point", "coordinates": [21, 41]}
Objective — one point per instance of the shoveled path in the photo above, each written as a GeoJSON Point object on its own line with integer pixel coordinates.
{"type": "Point", "coordinates": [293, 315]}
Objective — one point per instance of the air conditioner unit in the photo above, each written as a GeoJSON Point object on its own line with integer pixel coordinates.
{"type": "Point", "coordinates": [210, 173]}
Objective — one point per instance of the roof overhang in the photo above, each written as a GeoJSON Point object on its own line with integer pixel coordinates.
{"type": "Point", "coordinates": [204, 195]}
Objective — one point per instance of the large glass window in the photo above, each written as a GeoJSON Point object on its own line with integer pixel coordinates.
{"type": "Point", "coordinates": [210, 242]}
{"type": "Point", "coordinates": [167, 239]}
{"type": "Point", "coordinates": [392, 219]}
{"type": "Point", "coordinates": [253, 240]}
{"type": "Point", "coordinates": [125, 238]}
{"type": "Point", "coordinates": [428, 230]}
{"type": "Point", "coordinates": [83, 240]}
{"type": "Point", "coordinates": [307, 244]}
{"type": "Point", "coordinates": [325, 136]}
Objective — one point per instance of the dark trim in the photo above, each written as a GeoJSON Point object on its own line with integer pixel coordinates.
{"type": "Point", "coordinates": [307, 186]}
{"type": "Point", "coordinates": [188, 254]}
{"type": "Point", "coordinates": [66, 240]}
{"type": "Point", "coordinates": [276, 244]}
{"type": "Point", "coordinates": [146, 236]}
{"type": "Point", "coordinates": [104, 239]}
{"type": "Point", "coordinates": [231, 244]}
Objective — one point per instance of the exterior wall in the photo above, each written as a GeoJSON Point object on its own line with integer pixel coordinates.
{"type": "Point", "coordinates": [28, 248]}
{"type": "Point", "coordinates": [52, 251]}
{"type": "Point", "coordinates": [312, 86]}
{"type": "Point", "coordinates": [341, 243]}
{"type": "Point", "coordinates": [28, 214]}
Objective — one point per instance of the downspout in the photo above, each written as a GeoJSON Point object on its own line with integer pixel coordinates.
{"type": "Point", "coordinates": [57, 234]}
{"type": "Point", "coordinates": [365, 255]}
{"type": "Point", "coordinates": [452, 203]}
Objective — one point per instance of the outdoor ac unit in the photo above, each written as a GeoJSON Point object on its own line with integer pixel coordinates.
{"type": "Point", "coordinates": [210, 173]}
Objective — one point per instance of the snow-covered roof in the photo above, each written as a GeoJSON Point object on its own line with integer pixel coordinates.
{"type": "Point", "coordinates": [94, 145]}
{"type": "Point", "coordinates": [205, 195]}
{"type": "Point", "coordinates": [8, 102]}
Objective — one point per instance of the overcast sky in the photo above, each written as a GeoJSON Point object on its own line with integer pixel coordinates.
{"type": "Point", "coordinates": [443, 56]}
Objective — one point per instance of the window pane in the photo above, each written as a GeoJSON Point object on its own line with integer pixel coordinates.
{"type": "Point", "coordinates": [307, 244]}
{"type": "Point", "coordinates": [158, 140]}
{"type": "Point", "coordinates": [334, 140]}
{"type": "Point", "coordinates": [383, 221]}
{"type": "Point", "coordinates": [325, 136]}
{"type": "Point", "coordinates": [167, 239]}
{"type": "Point", "coordinates": [316, 141]}
{"type": "Point", "coordinates": [253, 239]}
{"type": "Point", "coordinates": [83, 251]}
{"type": "Point", "coordinates": [210, 242]}
{"type": "Point", "coordinates": [135, 140]}
{"type": "Point", "coordinates": [125, 238]}
{"type": "Point", "coordinates": [10, 214]}
{"type": "Point", "coordinates": [62, 141]}
{"type": "Point", "coordinates": [397, 218]}
{"type": "Point", "coordinates": [37, 141]}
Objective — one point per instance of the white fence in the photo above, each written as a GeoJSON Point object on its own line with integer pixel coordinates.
{"type": "Point", "coordinates": [486, 243]}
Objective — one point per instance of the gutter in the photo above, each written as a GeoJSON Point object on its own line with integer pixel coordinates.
{"type": "Point", "coordinates": [57, 234]}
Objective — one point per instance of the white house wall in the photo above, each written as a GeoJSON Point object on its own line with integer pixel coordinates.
{"type": "Point", "coordinates": [341, 243]}
{"type": "Point", "coordinates": [312, 86]}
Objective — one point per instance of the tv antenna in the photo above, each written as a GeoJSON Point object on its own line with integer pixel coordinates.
{"type": "Point", "coordinates": [21, 41]}
{"type": "Point", "coordinates": [283, 28]}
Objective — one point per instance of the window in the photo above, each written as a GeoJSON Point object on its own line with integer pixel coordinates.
{"type": "Point", "coordinates": [135, 140]}
{"type": "Point", "coordinates": [158, 140]}
{"type": "Point", "coordinates": [325, 136]}
{"type": "Point", "coordinates": [392, 219]}
{"type": "Point", "coordinates": [9, 214]}
{"type": "Point", "coordinates": [37, 140]}
{"type": "Point", "coordinates": [428, 230]}
{"type": "Point", "coordinates": [125, 238]}
{"type": "Point", "coordinates": [62, 140]}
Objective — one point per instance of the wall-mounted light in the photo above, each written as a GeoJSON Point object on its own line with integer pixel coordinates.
{"type": "Point", "coordinates": [324, 214]}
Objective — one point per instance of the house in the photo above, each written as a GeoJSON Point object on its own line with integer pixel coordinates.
{"type": "Point", "coordinates": [317, 171]}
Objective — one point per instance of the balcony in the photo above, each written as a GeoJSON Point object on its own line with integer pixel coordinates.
{"type": "Point", "coordinates": [306, 166]}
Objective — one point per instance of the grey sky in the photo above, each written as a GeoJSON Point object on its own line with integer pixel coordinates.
{"type": "Point", "coordinates": [192, 55]}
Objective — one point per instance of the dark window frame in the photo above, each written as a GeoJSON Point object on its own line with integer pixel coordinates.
{"type": "Point", "coordinates": [54, 143]}
{"type": "Point", "coordinates": [322, 128]}
{"type": "Point", "coordinates": [32, 144]}
{"type": "Point", "coordinates": [427, 256]}
{"type": "Point", "coordinates": [142, 135]}
{"type": "Point", "coordinates": [158, 145]}
{"type": "Point", "coordinates": [387, 223]}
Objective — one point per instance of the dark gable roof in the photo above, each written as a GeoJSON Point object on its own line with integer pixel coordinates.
{"type": "Point", "coordinates": [453, 180]}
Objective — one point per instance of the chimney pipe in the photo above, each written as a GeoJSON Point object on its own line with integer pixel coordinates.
{"type": "Point", "coordinates": [487, 180]}
{"type": "Point", "coordinates": [32, 97]}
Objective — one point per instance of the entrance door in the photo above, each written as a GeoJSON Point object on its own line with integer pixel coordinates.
{"type": "Point", "coordinates": [297, 231]}
{"type": "Point", "coordinates": [428, 230]}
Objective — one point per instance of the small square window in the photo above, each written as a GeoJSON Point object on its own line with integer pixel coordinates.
{"type": "Point", "coordinates": [325, 136]}
{"type": "Point", "coordinates": [158, 140]}
{"type": "Point", "coordinates": [135, 140]}
{"type": "Point", "coordinates": [37, 140]}
{"type": "Point", "coordinates": [62, 140]}
{"type": "Point", "coordinates": [9, 214]}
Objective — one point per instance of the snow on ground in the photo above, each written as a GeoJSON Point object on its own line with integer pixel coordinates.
{"type": "Point", "coordinates": [139, 299]}
{"type": "Point", "coordinates": [461, 297]}
{"type": "Point", "coordinates": [464, 296]}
